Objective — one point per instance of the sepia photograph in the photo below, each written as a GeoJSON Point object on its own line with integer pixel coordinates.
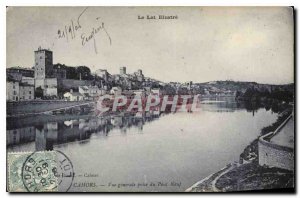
{"type": "Point", "coordinates": [189, 99]}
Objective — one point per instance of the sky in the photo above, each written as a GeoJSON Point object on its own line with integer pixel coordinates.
{"type": "Point", "coordinates": [203, 44]}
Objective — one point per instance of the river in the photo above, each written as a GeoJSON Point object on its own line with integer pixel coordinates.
{"type": "Point", "coordinates": [149, 152]}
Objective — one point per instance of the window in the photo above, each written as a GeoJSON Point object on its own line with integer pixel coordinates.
{"type": "Point", "coordinates": [15, 93]}
{"type": "Point", "coordinates": [29, 92]}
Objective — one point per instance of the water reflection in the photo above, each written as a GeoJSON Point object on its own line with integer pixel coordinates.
{"type": "Point", "coordinates": [51, 133]}
{"type": "Point", "coordinates": [46, 131]}
{"type": "Point", "coordinates": [229, 104]}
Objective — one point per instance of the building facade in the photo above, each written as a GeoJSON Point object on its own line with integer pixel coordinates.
{"type": "Point", "coordinates": [26, 92]}
{"type": "Point", "coordinates": [91, 91]}
{"type": "Point", "coordinates": [43, 72]}
{"type": "Point", "coordinates": [73, 96]}
{"type": "Point", "coordinates": [20, 71]}
{"type": "Point", "coordinates": [122, 70]}
{"type": "Point", "coordinates": [43, 67]}
{"type": "Point", "coordinates": [117, 91]}
{"type": "Point", "coordinates": [16, 91]}
{"type": "Point", "coordinates": [12, 91]}
{"type": "Point", "coordinates": [102, 73]}
{"type": "Point", "coordinates": [28, 80]}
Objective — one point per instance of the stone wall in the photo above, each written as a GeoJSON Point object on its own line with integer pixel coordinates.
{"type": "Point", "coordinates": [274, 155]}
{"type": "Point", "coordinates": [73, 84]}
{"type": "Point", "coordinates": [49, 85]}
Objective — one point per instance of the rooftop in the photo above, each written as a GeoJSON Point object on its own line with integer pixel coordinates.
{"type": "Point", "coordinates": [74, 93]}
{"type": "Point", "coordinates": [19, 68]}
{"type": "Point", "coordinates": [40, 49]}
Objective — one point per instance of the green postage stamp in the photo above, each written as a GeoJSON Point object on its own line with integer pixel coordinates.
{"type": "Point", "coordinates": [46, 171]}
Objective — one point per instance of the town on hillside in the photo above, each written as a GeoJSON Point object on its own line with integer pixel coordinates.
{"type": "Point", "coordinates": [48, 81]}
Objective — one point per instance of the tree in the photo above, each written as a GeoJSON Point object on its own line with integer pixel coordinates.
{"type": "Point", "coordinates": [83, 72]}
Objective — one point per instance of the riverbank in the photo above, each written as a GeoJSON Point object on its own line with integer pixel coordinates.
{"type": "Point", "coordinates": [252, 176]}
{"type": "Point", "coordinates": [26, 108]}
{"type": "Point", "coordinates": [208, 183]}
{"type": "Point", "coordinates": [247, 174]}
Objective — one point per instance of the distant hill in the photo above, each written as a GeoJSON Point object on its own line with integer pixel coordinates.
{"type": "Point", "coordinates": [241, 86]}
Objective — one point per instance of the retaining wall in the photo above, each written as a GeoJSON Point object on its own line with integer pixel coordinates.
{"type": "Point", "coordinates": [274, 155]}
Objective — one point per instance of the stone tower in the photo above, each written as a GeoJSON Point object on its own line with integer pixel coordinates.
{"type": "Point", "coordinates": [122, 70]}
{"type": "Point", "coordinates": [43, 67]}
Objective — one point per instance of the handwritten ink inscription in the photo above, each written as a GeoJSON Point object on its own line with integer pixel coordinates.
{"type": "Point", "coordinates": [85, 38]}
{"type": "Point", "coordinates": [74, 28]}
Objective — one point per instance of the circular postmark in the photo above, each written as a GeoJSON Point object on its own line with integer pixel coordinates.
{"type": "Point", "coordinates": [47, 171]}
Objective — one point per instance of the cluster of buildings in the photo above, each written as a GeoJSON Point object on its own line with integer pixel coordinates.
{"type": "Point", "coordinates": [16, 91]}
{"type": "Point", "coordinates": [48, 81]}
{"type": "Point", "coordinates": [93, 92]}
{"type": "Point", "coordinates": [22, 82]}
{"type": "Point", "coordinates": [84, 93]}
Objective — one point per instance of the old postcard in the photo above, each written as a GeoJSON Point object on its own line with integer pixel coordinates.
{"type": "Point", "coordinates": [150, 99]}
